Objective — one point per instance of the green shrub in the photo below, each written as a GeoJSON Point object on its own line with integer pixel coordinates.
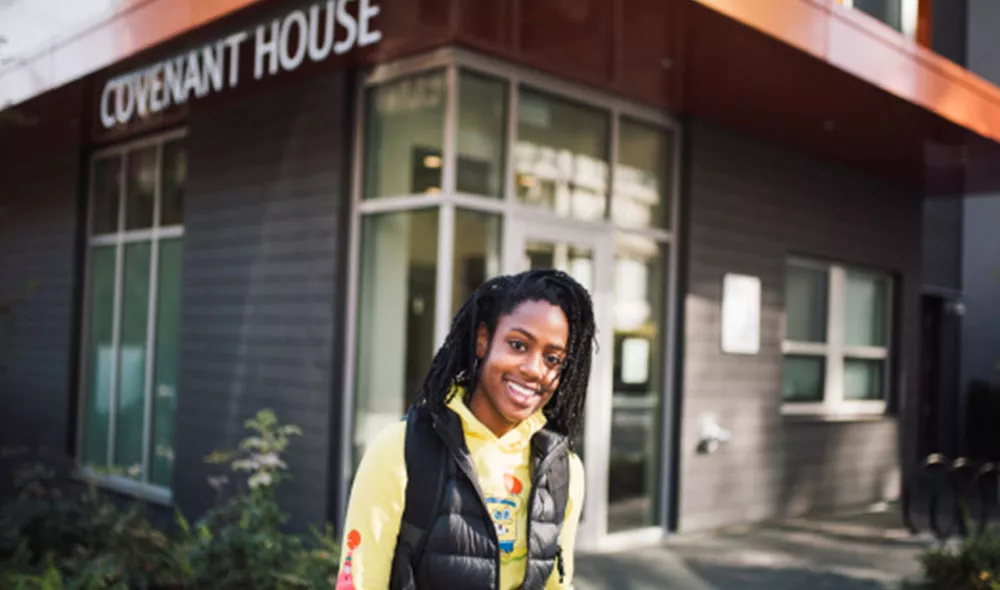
{"type": "Point", "coordinates": [58, 534]}
{"type": "Point", "coordinates": [974, 565]}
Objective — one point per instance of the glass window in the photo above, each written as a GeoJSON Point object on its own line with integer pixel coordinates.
{"type": "Point", "coordinates": [125, 295]}
{"type": "Point", "coordinates": [640, 287]}
{"type": "Point", "coordinates": [107, 195]}
{"type": "Point", "coordinates": [863, 379]}
{"type": "Point", "coordinates": [100, 355]}
{"type": "Point", "coordinates": [806, 304]}
{"type": "Point", "coordinates": [132, 357]}
{"type": "Point", "coordinates": [174, 184]}
{"type": "Point", "coordinates": [561, 156]}
{"type": "Point", "coordinates": [642, 176]}
{"type": "Point", "coordinates": [889, 12]}
{"type": "Point", "coordinates": [482, 129]}
{"type": "Point", "coordinates": [141, 191]}
{"type": "Point", "coordinates": [865, 314]}
{"type": "Point", "coordinates": [853, 344]}
{"type": "Point", "coordinates": [398, 274]}
{"type": "Point", "coordinates": [165, 370]}
{"type": "Point", "coordinates": [405, 136]}
{"type": "Point", "coordinates": [802, 378]}
{"type": "Point", "coordinates": [477, 254]}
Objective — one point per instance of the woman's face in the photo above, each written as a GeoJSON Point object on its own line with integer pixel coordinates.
{"type": "Point", "coordinates": [519, 369]}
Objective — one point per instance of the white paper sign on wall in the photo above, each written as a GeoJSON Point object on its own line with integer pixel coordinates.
{"type": "Point", "coordinates": [740, 314]}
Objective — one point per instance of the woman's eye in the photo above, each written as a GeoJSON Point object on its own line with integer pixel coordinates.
{"type": "Point", "coordinates": [518, 345]}
{"type": "Point", "coordinates": [554, 361]}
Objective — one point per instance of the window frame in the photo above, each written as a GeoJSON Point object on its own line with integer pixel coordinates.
{"type": "Point", "coordinates": [140, 488]}
{"type": "Point", "coordinates": [510, 209]}
{"type": "Point", "coordinates": [835, 351]}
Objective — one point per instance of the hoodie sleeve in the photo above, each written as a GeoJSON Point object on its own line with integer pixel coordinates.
{"type": "Point", "coordinates": [570, 525]}
{"type": "Point", "coordinates": [374, 512]}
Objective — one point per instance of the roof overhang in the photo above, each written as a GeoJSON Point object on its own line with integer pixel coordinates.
{"type": "Point", "coordinates": [837, 82]}
{"type": "Point", "coordinates": [133, 26]}
{"type": "Point", "coordinates": [806, 73]}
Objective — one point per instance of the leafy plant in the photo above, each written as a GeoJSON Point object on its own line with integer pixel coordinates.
{"type": "Point", "coordinates": [55, 534]}
{"type": "Point", "coordinates": [56, 529]}
{"type": "Point", "coordinates": [973, 565]}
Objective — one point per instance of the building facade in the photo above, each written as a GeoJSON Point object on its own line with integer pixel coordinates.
{"type": "Point", "coordinates": [210, 211]}
{"type": "Point", "coordinates": [961, 341]}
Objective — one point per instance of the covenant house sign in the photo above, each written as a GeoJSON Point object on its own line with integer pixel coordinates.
{"type": "Point", "coordinates": [281, 45]}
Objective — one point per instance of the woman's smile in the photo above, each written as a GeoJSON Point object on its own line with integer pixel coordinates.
{"type": "Point", "coordinates": [521, 395]}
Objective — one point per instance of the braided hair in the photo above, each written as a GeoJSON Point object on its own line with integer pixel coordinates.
{"type": "Point", "coordinates": [456, 363]}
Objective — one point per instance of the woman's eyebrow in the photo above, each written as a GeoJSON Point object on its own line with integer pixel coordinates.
{"type": "Point", "coordinates": [531, 337]}
{"type": "Point", "coordinates": [525, 333]}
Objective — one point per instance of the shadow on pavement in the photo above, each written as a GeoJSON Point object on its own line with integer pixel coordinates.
{"type": "Point", "coordinates": [723, 577]}
{"type": "Point", "coordinates": [860, 552]}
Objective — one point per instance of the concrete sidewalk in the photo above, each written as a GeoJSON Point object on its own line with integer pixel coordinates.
{"type": "Point", "coordinates": [869, 551]}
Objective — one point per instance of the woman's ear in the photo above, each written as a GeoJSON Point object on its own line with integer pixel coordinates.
{"type": "Point", "coordinates": [482, 341]}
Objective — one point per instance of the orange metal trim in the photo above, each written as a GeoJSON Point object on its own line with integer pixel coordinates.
{"type": "Point", "coordinates": [925, 21]}
{"type": "Point", "coordinates": [875, 53]}
{"type": "Point", "coordinates": [135, 25]}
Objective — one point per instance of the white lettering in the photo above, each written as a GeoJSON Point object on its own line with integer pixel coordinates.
{"type": "Point", "coordinates": [347, 21]}
{"type": "Point", "coordinates": [139, 84]}
{"type": "Point", "coordinates": [212, 62]}
{"type": "Point", "coordinates": [269, 48]}
{"type": "Point", "coordinates": [124, 103]}
{"type": "Point", "coordinates": [319, 52]}
{"type": "Point", "coordinates": [157, 97]}
{"type": "Point", "coordinates": [107, 119]}
{"type": "Point", "coordinates": [174, 80]}
{"type": "Point", "coordinates": [233, 43]}
{"type": "Point", "coordinates": [365, 14]}
{"type": "Point", "coordinates": [291, 61]}
{"type": "Point", "coordinates": [192, 76]}
{"type": "Point", "coordinates": [201, 71]}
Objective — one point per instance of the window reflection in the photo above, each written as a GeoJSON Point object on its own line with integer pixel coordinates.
{"type": "Point", "coordinates": [642, 177]}
{"type": "Point", "coordinates": [482, 130]}
{"type": "Point", "coordinates": [639, 329]}
{"type": "Point", "coordinates": [398, 273]}
{"type": "Point", "coordinates": [561, 156]}
{"type": "Point", "coordinates": [477, 254]}
{"type": "Point", "coordinates": [405, 136]}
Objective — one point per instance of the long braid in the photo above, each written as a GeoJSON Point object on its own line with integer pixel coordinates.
{"type": "Point", "coordinates": [455, 362]}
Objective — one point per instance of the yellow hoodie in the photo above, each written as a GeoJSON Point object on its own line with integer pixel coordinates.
{"type": "Point", "coordinates": [379, 492]}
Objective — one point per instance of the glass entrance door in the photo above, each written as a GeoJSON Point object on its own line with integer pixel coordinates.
{"type": "Point", "coordinates": [588, 259]}
{"type": "Point", "coordinates": [626, 275]}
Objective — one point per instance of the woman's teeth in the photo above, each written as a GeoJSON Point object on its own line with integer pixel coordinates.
{"type": "Point", "coordinates": [520, 393]}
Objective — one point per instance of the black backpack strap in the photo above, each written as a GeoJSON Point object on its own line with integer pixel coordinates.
{"type": "Point", "coordinates": [427, 460]}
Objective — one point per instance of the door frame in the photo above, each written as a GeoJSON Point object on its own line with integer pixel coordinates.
{"type": "Point", "coordinates": [597, 418]}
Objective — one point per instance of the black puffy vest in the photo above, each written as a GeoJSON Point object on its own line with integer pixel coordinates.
{"type": "Point", "coordinates": [447, 538]}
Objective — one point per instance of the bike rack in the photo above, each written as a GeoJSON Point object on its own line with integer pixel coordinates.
{"type": "Point", "coordinates": [966, 480]}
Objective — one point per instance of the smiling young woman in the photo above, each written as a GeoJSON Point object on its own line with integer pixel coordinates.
{"type": "Point", "coordinates": [478, 487]}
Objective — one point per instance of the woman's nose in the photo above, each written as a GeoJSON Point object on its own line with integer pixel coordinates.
{"type": "Point", "coordinates": [532, 367]}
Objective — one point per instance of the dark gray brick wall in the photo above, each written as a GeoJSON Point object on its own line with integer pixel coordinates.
{"type": "Point", "coordinates": [750, 205]}
{"type": "Point", "coordinates": [39, 172]}
{"type": "Point", "coordinates": [265, 220]}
